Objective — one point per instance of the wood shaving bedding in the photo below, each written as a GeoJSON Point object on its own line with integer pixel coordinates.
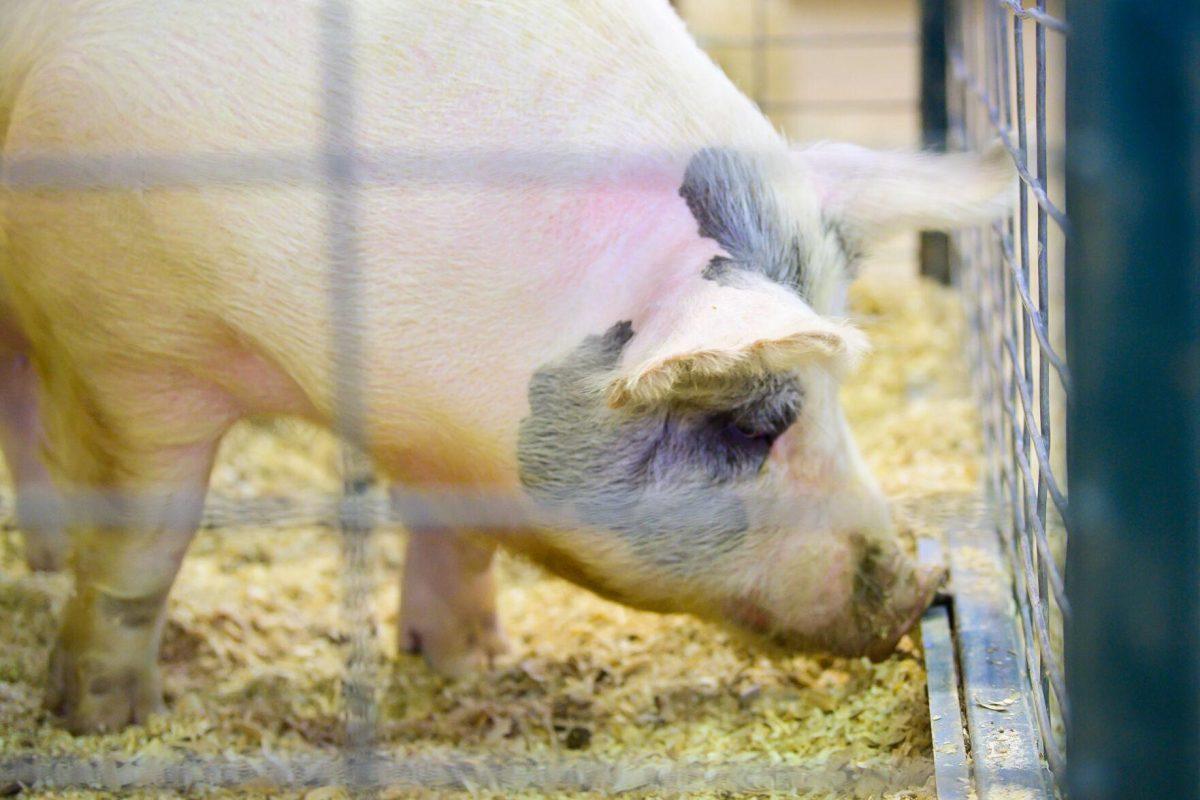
{"type": "Point", "coordinates": [253, 653]}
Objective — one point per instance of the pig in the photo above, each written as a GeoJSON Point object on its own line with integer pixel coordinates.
{"type": "Point", "coordinates": [591, 274]}
{"type": "Point", "coordinates": [39, 510]}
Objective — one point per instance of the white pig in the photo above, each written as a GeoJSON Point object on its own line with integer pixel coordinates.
{"type": "Point", "coordinates": [592, 274]}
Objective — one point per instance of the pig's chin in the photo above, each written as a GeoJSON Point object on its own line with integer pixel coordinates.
{"type": "Point", "coordinates": [759, 628]}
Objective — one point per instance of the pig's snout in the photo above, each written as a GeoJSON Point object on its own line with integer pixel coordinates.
{"type": "Point", "coordinates": [928, 581]}
{"type": "Point", "coordinates": [871, 595]}
{"type": "Point", "coordinates": [889, 594]}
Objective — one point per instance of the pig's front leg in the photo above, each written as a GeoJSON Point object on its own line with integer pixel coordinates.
{"type": "Point", "coordinates": [448, 602]}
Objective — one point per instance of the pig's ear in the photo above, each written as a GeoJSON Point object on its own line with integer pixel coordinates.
{"type": "Point", "coordinates": [874, 193]}
{"type": "Point", "coordinates": [710, 343]}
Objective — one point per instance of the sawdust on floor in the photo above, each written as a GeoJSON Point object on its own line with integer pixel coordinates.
{"type": "Point", "coordinates": [253, 651]}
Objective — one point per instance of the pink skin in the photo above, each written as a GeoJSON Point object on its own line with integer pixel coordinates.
{"type": "Point", "coordinates": [21, 443]}
{"type": "Point", "coordinates": [448, 602]}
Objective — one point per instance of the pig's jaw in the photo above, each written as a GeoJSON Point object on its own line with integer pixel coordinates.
{"type": "Point", "coordinates": [574, 556]}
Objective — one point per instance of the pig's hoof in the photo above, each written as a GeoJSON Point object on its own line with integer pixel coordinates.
{"type": "Point", "coordinates": [94, 693]}
{"type": "Point", "coordinates": [456, 649]}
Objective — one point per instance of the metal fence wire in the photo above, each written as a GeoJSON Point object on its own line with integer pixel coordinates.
{"type": "Point", "coordinates": [1004, 66]}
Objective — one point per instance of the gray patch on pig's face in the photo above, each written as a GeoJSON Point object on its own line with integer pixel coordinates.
{"type": "Point", "coordinates": [666, 480]}
{"type": "Point", "coordinates": [734, 207]}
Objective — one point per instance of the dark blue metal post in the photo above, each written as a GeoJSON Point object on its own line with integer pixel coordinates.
{"type": "Point", "coordinates": [935, 246]}
{"type": "Point", "coordinates": [1133, 328]}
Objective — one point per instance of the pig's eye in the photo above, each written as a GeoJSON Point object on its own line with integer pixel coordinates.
{"type": "Point", "coordinates": [743, 444]}
{"type": "Point", "coordinates": [769, 417]}
{"type": "Point", "coordinates": [737, 441]}
{"type": "Point", "coordinates": [742, 440]}
{"type": "Point", "coordinates": [750, 433]}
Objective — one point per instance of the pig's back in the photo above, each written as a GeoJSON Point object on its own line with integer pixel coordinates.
{"type": "Point", "coordinates": [469, 270]}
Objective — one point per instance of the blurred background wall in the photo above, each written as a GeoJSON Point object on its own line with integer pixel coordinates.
{"type": "Point", "coordinates": [824, 70]}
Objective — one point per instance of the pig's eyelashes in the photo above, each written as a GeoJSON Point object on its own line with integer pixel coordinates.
{"type": "Point", "coordinates": [741, 444]}
{"type": "Point", "coordinates": [757, 429]}
{"type": "Point", "coordinates": [748, 437]}
{"type": "Point", "coordinates": [748, 432]}
{"type": "Point", "coordinates": [772, 411]}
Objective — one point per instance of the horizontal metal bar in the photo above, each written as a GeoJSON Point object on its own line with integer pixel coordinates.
{"type": "Point", "coordinates": [966, 78]}
{"type": "Point", "coordinates": [502, 773]}
{"type": "Point", "coordinates": [377, 166]}
{"type": "Point", "coordinates": [886, 105]}
{"type": "Point", "coordinates": [1037, 15]}
{"type": "Point", "coordinates": [864, 40]}
{"type": "Point", "coordinates": [427, 507]}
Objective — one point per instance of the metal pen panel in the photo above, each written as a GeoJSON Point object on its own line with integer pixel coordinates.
{"type": "Point", "coordinates": [999, 97]}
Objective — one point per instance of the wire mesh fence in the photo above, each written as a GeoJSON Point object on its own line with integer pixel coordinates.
{"type": "Point", "coordinates": [1006, 76]}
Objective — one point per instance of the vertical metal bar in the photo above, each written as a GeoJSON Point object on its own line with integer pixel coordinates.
{"type": "Point", "coordinates": [1133, 337]}
{"type": "Point", "coordinates": [1043, 298]}
{"type": "Point", "coordinates": [975, 123]}
{"type": "Point", "coordinates": [1020, 355]}
{"type": "Point", "coordinates": [935, 245]}
{"type": "Point", "coordinates": [999, 108]}
{"type": "Point", "coordinates": [346, 294]}
{"type": "Point", "coordinates": [1008, 231]}
{"type": "Point", "coordinates": [934, 115]}
{"type": "Point", "coordinates": [1026, 550]}
{"type": "Point", "coordinates": [973, 56]}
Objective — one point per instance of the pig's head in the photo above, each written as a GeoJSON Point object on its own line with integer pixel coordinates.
{"type": "Point", "coordinates": [698, 449]}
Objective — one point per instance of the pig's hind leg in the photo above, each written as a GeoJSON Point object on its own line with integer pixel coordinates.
{"type": "Point", "coordinates": [448, 602]}
{"type": "Point", "coordinates": [140, 454]}
{"type": "Point", "coordinates": [39, 508]}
